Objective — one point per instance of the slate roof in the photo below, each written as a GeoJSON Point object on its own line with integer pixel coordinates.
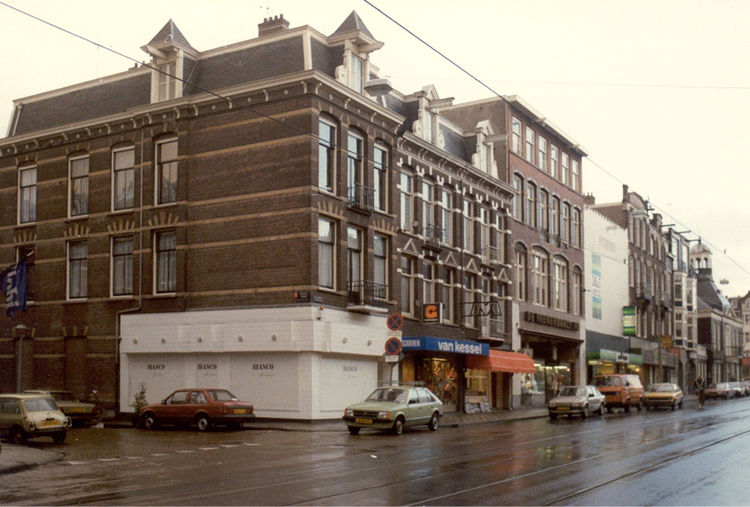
{"type": "Point", "coordinates": [353, 23]}
{"type": "Point", "coordinates": [170, 33]}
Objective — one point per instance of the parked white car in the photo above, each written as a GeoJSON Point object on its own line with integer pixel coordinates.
{"type": "Point", "coordinates": [580, 400]}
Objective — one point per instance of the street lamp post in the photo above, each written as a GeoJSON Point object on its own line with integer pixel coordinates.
{"type": "Point", "coordinates": [20, 330]}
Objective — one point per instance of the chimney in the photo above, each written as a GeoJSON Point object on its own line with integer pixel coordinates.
{"type": "Point", "coordinates": [272, 25]}
{"type": "Point", "coordinates": [589, 199]}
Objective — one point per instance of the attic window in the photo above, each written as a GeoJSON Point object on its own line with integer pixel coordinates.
{"type": "Point", "coordinates": [356, 73]}
{"type": "Point", "coordinates": [167, 81]}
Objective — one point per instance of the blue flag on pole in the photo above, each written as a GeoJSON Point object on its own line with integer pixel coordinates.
{"type": "Point", "coordinates": [13, 286]}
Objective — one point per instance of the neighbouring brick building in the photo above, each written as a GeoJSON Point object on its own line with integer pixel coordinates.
{"type": "Point", "coordinates": [542, 164]}
{"type": "Point", "coordinates": [248, 217]}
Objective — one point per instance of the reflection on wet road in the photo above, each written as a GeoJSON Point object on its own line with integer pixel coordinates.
{"type": "Point", "coordinates": [670, 458]}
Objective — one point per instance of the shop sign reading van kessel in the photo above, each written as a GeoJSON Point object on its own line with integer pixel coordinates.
{"type": "Point", "coordinates": [445, 345]}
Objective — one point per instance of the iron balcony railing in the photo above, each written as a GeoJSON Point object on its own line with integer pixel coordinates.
{"type": "Point", "coordinates": [492, 254]}
{"type": "Point", "coordinates": [361, 198]}
{"type": "Point", "coordinates": [434, 236]}
{"type": "Point", "coordinates": [368, 293]}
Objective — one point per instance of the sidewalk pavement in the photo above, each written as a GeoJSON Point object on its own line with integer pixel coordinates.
{"type": "Point", "coordinates": [16, 458]}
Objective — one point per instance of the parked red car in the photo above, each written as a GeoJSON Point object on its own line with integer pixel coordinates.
{"type": "Point", "coordinates": [201, 407]}
{"type": "Point", "coordinates": [722, 390]}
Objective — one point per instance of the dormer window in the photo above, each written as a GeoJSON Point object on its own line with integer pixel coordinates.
{"type": "Point", "coordinates": [170, 54]}
{"type": "Point", "coordinates": [356, 73]}
{"type": "Point", "coordinates": [167, 81]}
{"type": "Point", "coordinates": [428, 128]}
{"type": "Point", "coordinates": [484, 158]}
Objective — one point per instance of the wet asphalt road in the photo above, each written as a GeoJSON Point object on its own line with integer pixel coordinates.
{"type": "Point", "coordinates": [688, 457]}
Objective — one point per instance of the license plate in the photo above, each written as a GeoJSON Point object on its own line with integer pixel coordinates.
{"type": "Point", "coordinates": [240, 411]}
{"type": "Point", "coordinates": [50, 423]}
{"type": "Point", "coordinates": [363, 421]}
{"type": "Point", "coordinates": [563, 408]}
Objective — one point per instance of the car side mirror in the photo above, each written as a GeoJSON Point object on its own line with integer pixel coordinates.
{"type": "Point", "coordinates": [164, 402]}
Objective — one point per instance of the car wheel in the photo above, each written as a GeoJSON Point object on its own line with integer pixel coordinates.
{"type": "Point", "coordinates": [553, 416]}
{"type": "Point", "coordinates": [680, 405]}
{"type": "Point", "coordinates": [203, 422]}
{"type": "Point", "coordinates": [60, 437]}
{"type": "Point", "coordinates": [150, 422]}
{"type": "Point", "coordinates": [98, 415]}
{"type": "Point", "coordinates": [18, 436]}
{"type": "Point", "coordinates": [354, 430]}
{"type": "Point", "coordinates": [601, 409]}
{"type": "Point", "coordinates": [585, 412]}
{"type": "Point", "coordinates": [434, 422]}
{"type": "Point", "coordinates": [640, 405]}
{"type": "Point", "coordinates": [609, 409]}
{"type": "Point", "coordinates": [627, 407]}
{"type": "Point", "coordinates": [398, 426]}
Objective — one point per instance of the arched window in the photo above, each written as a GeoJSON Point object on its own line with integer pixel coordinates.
{"type": "Point", "coordinates": [520, 274]}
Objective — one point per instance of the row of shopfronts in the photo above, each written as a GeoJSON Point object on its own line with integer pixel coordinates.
{"type": "Point", "coordinates": [308, 363]}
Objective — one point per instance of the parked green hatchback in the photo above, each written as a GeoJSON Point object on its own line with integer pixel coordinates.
{"type": "Point", "coordinates": [394, 408]}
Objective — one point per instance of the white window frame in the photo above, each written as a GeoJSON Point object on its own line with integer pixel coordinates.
{"type": "Point", "coordinates": [406, 200]}
{"type": "Point", "coordinates": [159, 198]}
{"type": "Point", "coordinates": [74, 182]}
{"type": "Point", "coordinates": [127, 172]}
{"type": "Point", "coordinates": [77, 271]}
{"type": "Point", "coordinates": [327, 242]}
{"type": "Point", "coordinates": [380, 177]}
{"type": "Point", "coordinates": [327, 154]}
{"type": "Point", "coordinates": [564, 168]}
{"type": "Point", "coordinates": [540, 271]}
{"type": "Point", "coordinates": [542, 153]}
{"type": "Point", "coordinates": [554, 161]}
{"type": "Point", "coordinates": [530, 145]}
{"type": "Point", "coordinates": [121, 267]}
{"type": "Point", "coordinates": [165, 259]}
{"type": "Point", "coordinates": [27, 193]}
{"type": "Point", "coordinates": [516, 133]}
{"type": "Point", "coordinates": [380, 261]}
{"type": "Point", "coordinates": [408, 278]}
{"type": "Point", "coordinates": [357, 72]}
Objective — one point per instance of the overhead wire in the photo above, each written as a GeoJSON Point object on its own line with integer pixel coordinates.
{"type": "Point", "coordinates": [497, 94]}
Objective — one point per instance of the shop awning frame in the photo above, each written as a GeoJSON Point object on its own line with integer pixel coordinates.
{"type": "Point", "coordinates": [502, 361]}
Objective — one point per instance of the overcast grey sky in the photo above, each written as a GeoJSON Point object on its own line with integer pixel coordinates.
{"type": "Point", "coordinates": [658, 92]}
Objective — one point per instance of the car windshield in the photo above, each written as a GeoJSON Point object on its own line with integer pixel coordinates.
{"type": "Point", "coordinates": [607, 381]}
{"type": "Point", "coordinates": [572, 391]}
{"type": "Point", "coordinates": [40, 405]}
{"type": "Point", "coordinates": [662, 388]}
{"type": "Point", "coordinates": [221, 395]}
{"type": "Point", "coordinates": [385, 394]}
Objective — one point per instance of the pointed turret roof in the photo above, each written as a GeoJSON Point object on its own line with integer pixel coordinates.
{"type": "Point", "coordinates": [352, 24]}
{"type": "Point", "coordinates": [168, 35]}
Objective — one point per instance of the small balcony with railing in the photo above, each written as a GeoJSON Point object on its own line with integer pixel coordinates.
{"type": "Point", "coordinates": [361, 199]}
{"type": "Point", "coordinates": [666, 301]}
{"type": "Point", "coordinates": [644, 293]}
{"type": "Point", "coordinates": [434, 237]}
{"type": "Point", "coordinates": [367, 296]}
{"type": "Point", "coordinates": [492, 255]}
{"type": "Point", "coordinates": [492, 331]}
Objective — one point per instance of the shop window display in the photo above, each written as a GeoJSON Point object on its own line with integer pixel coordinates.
{"type": "Point", "coordinates": [441, 377]}
{"type": "Point", "coordinates": [543, 385]}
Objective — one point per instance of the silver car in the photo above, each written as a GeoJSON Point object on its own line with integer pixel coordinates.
{"type": "Point", "coordinates": [572, 400]}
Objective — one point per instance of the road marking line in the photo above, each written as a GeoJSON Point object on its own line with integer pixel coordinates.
{"type": "Point", "coordinates": [159, 454]}
{"type": "Point", "coordinates": [208, 448]}
{"type": "Point", "coordinates": [185, 452]}
{"type": "Point", "coordinates": [78, 463]}
{"type": "Point", "coordinates": [250, 443]}
{"type": "Point", "coordinates": [109, 459]}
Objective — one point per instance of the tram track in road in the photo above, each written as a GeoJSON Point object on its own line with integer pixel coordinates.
{"type": "Point", "coordinates": [653, 466]}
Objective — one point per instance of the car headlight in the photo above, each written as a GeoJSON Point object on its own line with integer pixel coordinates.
{"type": "Point", "coordinates": [384, 415]}
{"type": "Point", "coordinates": [349, 412]}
